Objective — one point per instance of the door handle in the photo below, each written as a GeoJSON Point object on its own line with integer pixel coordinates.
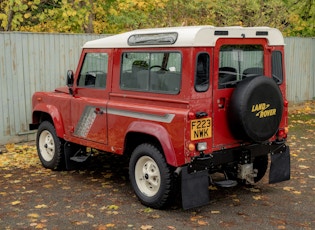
{"type": "Point", "coordinates": [221, 102]}
{"type": "Point", "coordinates": [98, 111]}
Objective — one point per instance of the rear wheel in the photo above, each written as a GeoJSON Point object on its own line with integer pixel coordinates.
{"type": "Point", "coordinates": [49, 146]}
{"type": "Point", "coordinates": [150, 176]}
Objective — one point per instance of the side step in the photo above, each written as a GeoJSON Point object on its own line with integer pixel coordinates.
{"type": "Point", "coordinates": [80, 159]}
{"type": "Point", "coordinates": [75, 155]}
{"type": "Point", "coordinates": [226, 183]}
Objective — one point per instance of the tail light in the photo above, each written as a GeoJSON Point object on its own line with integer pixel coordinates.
{"type": "Point", "coordinates": [282, 133]}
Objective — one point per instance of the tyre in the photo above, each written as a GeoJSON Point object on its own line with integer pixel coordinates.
{"type": "Point", "coordinates": [255, 109]}
{"type": "Point", "coordinates": [150, 176]}
{"type": "Point", "coordinates": [49, 146]}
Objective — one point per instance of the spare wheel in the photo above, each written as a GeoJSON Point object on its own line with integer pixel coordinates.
{"type": "Point", "coordinates": [256, 109]}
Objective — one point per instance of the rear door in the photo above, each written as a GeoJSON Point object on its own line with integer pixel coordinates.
{"type": "Point", "coordinates": [235, 59]}
{"type": "Point", "coordinates": [89, 103]}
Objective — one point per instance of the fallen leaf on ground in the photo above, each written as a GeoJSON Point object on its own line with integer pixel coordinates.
{"type": "Point", "coordinates": [304, 167]}
{"type": "Point", "coordinates": [41, 206]}
{"type": "Point", "coordinates": [257, 197]}
{"type": "Point", "coordinates": [16, 202]}
{"type": "Point", "coordinates": [33, 215]}
{"type": "Point", "coordinates": [146, 227]}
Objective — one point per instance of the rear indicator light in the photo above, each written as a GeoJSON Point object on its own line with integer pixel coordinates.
{"type": "Point", "coordinates": [282, 133]}
{"type": "Point", "coordinates": [191, 147]}
{"type": "Point", "coordinates": [191, 115]}
{"type": "Point", "coordinates": [285, 103]}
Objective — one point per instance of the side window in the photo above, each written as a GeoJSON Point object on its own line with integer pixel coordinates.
{"type": "Point", "coordinates": [202, 72]}
{"type": "Point", "coordinates": [157, 72]}
{"type": "Point", "coordinates": [94, 71]}
{"type": "Point", "coordinates": [276, 66]}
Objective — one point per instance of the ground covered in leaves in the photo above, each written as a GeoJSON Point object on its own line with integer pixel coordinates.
{"type": "Point", "coordinates": [99, 195]}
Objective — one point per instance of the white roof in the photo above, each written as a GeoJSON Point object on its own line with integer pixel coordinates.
{"type": "Point", "coordinates": [191, 36]}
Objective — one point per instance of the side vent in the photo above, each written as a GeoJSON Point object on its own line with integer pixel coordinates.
{"type": "Point", "coordinates": [261, 33]}
{"type": "Point", "coordinates": [221, 32]}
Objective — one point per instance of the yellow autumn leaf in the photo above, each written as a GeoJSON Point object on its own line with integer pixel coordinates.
{"type": "Point", "coordinates": [202, 223]}
{"type": "Point", "coordinates": [10, 147]}
{"type": "Point", "coordinates": [112, 207]}
{"type": "Point", "coordinates": [289, 189]}
{"type": "Point", "coordinates": [89, 215]}
{"type": "Point", "coordinates": [304, 167]}
{"type": "Point", "coordinates": [195, 218]}
{"type": "Point", "coordinates": [212, 188]}
{"type": "Point", "coordinates": [48, 186]}
{"type": "Point", "coordinates": [33, 215]}
{"type": "Point", "coordinates": [146, 227]}
{"type": "Point", "coordinates": [255, 190]}
{"type": "Point", "coordinates": [147, 210]}
{"type": "Point", "coordinates": [66, 188]}
{"type": "Point", "coordinates": [40, 226]}
{"type": "Point", "coordinates": [41, 206]}
{"type": "Point", "coordinates": [215, 212]}
{"type": "Point", "coordinates": [7, 175]}
{"type": "Point", "coordinates": [257, 197]}
{"type": "Point", "coordinates": [110, 225]}
{"type": "Point", "coordinates": [16, 202]}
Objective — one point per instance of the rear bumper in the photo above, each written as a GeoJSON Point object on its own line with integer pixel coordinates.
{"type": "Point", "coordinates": [194, 176]}
{"type": "Point", "coordinates": [235, 155]}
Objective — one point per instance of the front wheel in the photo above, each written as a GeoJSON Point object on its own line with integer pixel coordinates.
{"type": "Point", "coordinates": [150, 176]}
{"type": "Point", "coordinates": [49, 146]}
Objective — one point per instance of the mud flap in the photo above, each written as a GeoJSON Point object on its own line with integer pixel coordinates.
{"type": "Point", "coordinates": [194, 188]}
{"type": "Point", "coordinates": [280, 166]}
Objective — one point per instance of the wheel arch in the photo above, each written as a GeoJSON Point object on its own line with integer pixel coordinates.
{"type": "Point", "coordinates": [140, 132]}
{"type": "Point", "coordinates": [43, 112]}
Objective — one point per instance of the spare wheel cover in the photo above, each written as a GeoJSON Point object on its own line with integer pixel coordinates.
{"type": "Point", "coordinates": [256, 109]}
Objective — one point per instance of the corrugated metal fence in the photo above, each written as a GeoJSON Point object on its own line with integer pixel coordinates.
{"type": "Point", "coordinates": [300, 68]}
{"type": "Point", "coordinates": [32, 62]}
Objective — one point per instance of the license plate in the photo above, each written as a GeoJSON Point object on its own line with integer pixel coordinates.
{"type": "Point", "coordinates": [200, 129]}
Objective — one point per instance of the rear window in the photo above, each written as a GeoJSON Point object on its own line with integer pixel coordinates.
{"type": "Point", "coordinates": [157, 72]}
{"type": "Point", "coordinates": [238, 62]}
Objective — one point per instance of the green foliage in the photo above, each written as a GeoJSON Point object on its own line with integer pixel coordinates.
{"type": "Point", "coordinates": [301, 20]}
{"type": "Point", "coordinates": [292, 17]}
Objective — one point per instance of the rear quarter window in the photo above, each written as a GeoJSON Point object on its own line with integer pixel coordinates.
{"type": "Point", "coordinates": [202, 72]}
{"type": "Point", "coordinates": [156, 72]}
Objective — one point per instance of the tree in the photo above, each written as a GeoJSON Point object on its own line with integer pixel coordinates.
{"type": "Point", "coordinates": [301, 20]}
{"type": "Point", "coordinates": [292, 17]}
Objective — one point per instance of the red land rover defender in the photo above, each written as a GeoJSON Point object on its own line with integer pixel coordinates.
{"type": "Point", "coordinates": [182, 103]}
